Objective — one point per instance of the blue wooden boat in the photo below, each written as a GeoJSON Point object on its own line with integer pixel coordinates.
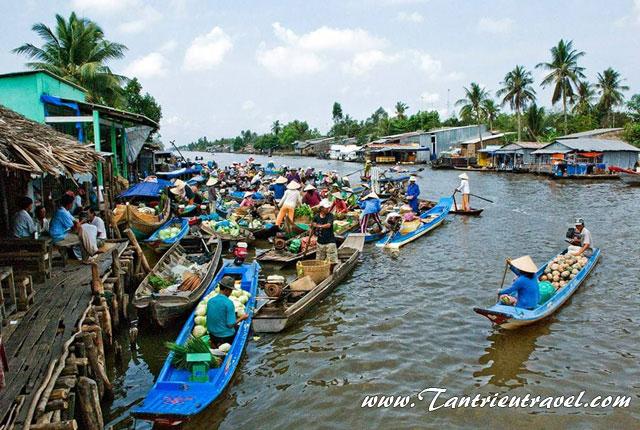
{"type": "Point", "coordinates": [159, 244]}
{"type": "Point", "coordinates": [510, 317]}
{"type": "Point", "coordinates": [174, 399]}
{"type": "Point", "coordinates": [433, 217]}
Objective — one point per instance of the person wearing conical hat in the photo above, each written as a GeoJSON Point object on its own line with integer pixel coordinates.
{"type": "Point", "coordinates": [464, 189]}
{"type": "Point", "coordinates": [311, 196]}
{"type": "Point", "coordinates": [278, 187]}
{"type": "Point", "coordinates": [370, 205]}
{"type": "Point", "coordinates": [339, 206]}
{"type": "Point", "coordinates": [212, 194]}
{"type": "Point", "coordinates": [247, 200]}
{"type": "Point", "coordinates": [413, 195]}
{"type": "Point", "coordinates": [289, 202]}
{"type": "Point", "coordinates": [524, 291]}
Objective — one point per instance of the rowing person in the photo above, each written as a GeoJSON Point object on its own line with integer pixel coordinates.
{"type": "Point", "coordinates": [524, 291]}
{"type": "Point", "coordinates": [581, 243]}
{"type": "Point", "coordinates": [323, 225]}
{"type": "Point", "coordinates": [413, 195]}
{"type": "Point", "coordinates": [464, 189]}
{"type": "Point", "coordinates": [221, 314]}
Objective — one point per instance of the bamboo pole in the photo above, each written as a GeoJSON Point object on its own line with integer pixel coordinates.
{"type": "Point", "coordinates": [136, 245]}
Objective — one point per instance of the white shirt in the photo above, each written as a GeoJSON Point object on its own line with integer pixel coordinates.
{"type": "Point", "coordinates": [291, 199]}
{"type": "Point", "coordinates": [99, 223]}
{"type": "Point", "coordinates": [464, 186]}
{"type": "Point", "coordinates": [585, 237]}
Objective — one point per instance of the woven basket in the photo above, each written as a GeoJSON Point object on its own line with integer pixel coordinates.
{"type": "Point", "coordinates": [318, 270]}
{"type": "Point", "coordinates": [409, 226]}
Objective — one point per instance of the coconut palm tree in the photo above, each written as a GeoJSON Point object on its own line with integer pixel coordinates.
{"type": "Point", "coordinates": [77, 51]}
{"type": "Point", "coordinates": [491, 110]}
{"type": "Point", "coordinates": [564, 74]}
{"type": "Point", "coordinates": [517, 90]}
{"type": "Point", "coordinates": [584, 98]}
{"type": "Point", "coordinates": [401, 108]}
{"type": "Point", "coordinates": [276, 127]}
{"type": "Point", "coordinates": [610, 89]}
{"type": "Point", "coordinates": [472, 105]}
{"type": "Point", "coordinates": [535, 121]}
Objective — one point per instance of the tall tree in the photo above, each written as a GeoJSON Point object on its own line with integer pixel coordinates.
{"type": "Point", "coordinates": [77, 51]}
{"type": "Point", "coordinates": [472, 105]}
{"type": "Point", "coordinates": [535, 121]}
{"type": "Point", "coordinates": [610, 89]}
{"type": "Point", "coordinates": [564, 74]}
{"type": "Point", "coordinates": [517, 90]}
{"type": "Point", "coordinates": [134, 101]}
{"type": "Point", "coordinates": [584, 98]}
{"type": "Point", "coordinates": [336, 112]}
{"type": "Point", "coordinates": [491, 111]}
{"type": "Point", "coordinates": [634, 107]}
{"type": "Point", "coordinates": [276, 127]}
{"type": "Point", "coordinates": [401, 108]}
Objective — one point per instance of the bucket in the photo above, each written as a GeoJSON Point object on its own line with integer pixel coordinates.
{"type": "Point", "coordinates": [318, 270]}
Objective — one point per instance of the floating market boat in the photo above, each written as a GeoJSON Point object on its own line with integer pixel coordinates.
{"type": "Point", "coordinates": [280, 252]}
{"type": "Point", "coordinates": [239, 196]}
{"type": "Point", "coordinates": [163, 296]}
{"type": "Point", "coordinates": [628, 176]}
{"type": "Point", "coordinates": [282, 311]}
{"type": "Point", "coordinates": [175, 398]}
{"type": "Point", "coordinates": [510, 317]}
{"type": "Point", "coordinates": [244, 235]}
{"type": "Point", "coordinates": [143, 220]}
{"type": "Point", "coordinates": [470, 212]}
{"type": "Point", "coordinates": [430, 220]}
{"type": "Point", "coordinates": [159, 244]}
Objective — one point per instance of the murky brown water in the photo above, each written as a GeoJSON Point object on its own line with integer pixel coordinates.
{"type": "Point", "coordinates": [402, 323]}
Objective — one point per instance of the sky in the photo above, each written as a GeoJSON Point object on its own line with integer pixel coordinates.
{"type": "Point", "coordinates": [219, 67]}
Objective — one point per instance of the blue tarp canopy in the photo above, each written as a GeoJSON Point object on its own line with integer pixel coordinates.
{"type": "Point", "coordinates": [146, 189]}
{"type": "Point", "coordinates": [180, 172]}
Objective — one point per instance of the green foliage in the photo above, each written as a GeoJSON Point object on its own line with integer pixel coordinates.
{"type": "Point", "coordinates": [610, 89]}
{"type": "Point", "coordinates": [631, 133]}
{"type": "Point", "coordinates": [472, 106]}
{"type": "Point", "coordinates": [336, 112]}
{"type": "Point", "coordinates": [634, 107]}
{"type": "Point", "coordinates": [134, 101]}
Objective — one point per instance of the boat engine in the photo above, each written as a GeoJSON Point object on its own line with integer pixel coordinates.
{"type": "Point", "coordinates": [280, 241]}
{"type": "Point", "coordinates": [274, 286]}
{"type": "Point", "coordinates": [240, 253]}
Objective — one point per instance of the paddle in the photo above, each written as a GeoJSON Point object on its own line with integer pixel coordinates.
{"type": "Point", "coordinates": [306, 247]}
{"type": "Point", "coordinates": [353, 173]}
{"type": "Point", "coordinates": [504, 275]}
{"type": "Point", "coordinates": [481, 198]}
{"type": "Point", "coordinates": [453, 196]}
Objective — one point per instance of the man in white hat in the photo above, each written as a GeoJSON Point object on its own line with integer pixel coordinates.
{"type": "Point", "coordinates": [464, 189]}
{"type": "Point", "coordinates": [323, 223]}
{"type": "Point", "coordinates": [278, 187]}
{"type": "Point", "coordinates": [311, 196]}
{"type": "Point", "coordinates": [581, 244]}
{"type": "Point", "coordinates": [289, 202]}
{"type": "Point", "coordinates": [370, 205]}
{"type": "Point", "coordinates": [524, 291]}
{"type": "Point", "coordinates": [413, 195]}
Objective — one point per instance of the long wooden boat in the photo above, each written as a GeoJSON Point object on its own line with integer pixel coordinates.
{"type": "Point", "coordinates": [174, 398]}
{"type": "Point", "coordinates": [163, 308]}
{"type": "Point", "coordinates": [630, 178]}
{"type": "Point", "coordinates": [142, 224]}
{"type": "Point", "coordinates": [475, 169]}
{"type": "Point", "coordinates": [510, 317]}
{"type": "Point", "coordinates": [470, 212]}
{"type": "Point", "coordinates": [432, 219]}
{"type": "Point", "coordinates": [244, 236]}
{"type": "Point", "coordinates": [284, 256]}
{"type": "Point", "coordinates": [277, 315]}
{"type": "Point", "coordinates": [160, 245]}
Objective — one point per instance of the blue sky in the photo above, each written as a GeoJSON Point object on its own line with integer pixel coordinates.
{"type": "Point", "coordinates": [218, 67]}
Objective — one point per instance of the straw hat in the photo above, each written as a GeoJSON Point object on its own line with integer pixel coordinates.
{"type": "Point", "coordinates": [227, 282]}
{"type": "Point", "coordinates": [309, 188]}
{"type": "Point", "coordinates": [412, 178]}
{"type": "Point", "coordinates": [371, 195]}
{"type": "Point", "coordinates": [463, 176]}
{"type": "Point", "coordinates": [178, 186]}
{"type": "Point", "coordinates": [211, 181]}
{"type": "Point", "coordinates": [281, 180]}
{"type": "Point", "coordinates": [324, 203]}
{"type": "Point", "coordinates": [293, 185]}
{"type": "Point", "coordinates": [524, 264]}
{"type": "Point", "coordinates": [338, 196]}
{"type": "Point", "coordinates": [405, 208]}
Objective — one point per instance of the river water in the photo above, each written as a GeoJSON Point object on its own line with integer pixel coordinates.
{"type": "Point", "coordinates": [403, 322]}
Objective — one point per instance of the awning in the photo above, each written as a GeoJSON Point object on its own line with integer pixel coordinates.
{"type": "Point", "coordinates": [180, 172]}
{"type": "Point", "coordinates": [399, 149]}
{"type": "Point", "coordinates": [590, 154]}
{"type": "Point", "coordinates": [551, 151]}
{"type": "Point", "coordinates": [146, 189]}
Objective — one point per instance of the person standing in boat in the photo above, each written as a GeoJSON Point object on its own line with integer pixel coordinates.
{"type": "Point", "coordinates": [413, 195]}
{"type": "Point", "coordinates": [221, 314]}
{"type": "Point", "coordinates": [289, 202]}
{"type": "Point", "coordinates": [212, 195]}
{"type": "Point", "coordinates": [323, 225]}
{"type": "Point", "coordinates": [464, 189]}
{"type": "Point", "coordinates": [311, 196]}
{"type": "Point", "coordinates": [370, 206]}
{"type": "Point", "coordinates": [278, 187]}
{"type": "Point", "coordinates": [581, 244]}
{"type": "Point", "coordinates": [524, 291]}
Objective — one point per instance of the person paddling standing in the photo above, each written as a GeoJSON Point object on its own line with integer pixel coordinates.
{"type": "Point", "coordinates": [464, 189]}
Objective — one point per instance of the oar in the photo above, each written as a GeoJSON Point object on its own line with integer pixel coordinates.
{"type": "Point", "coordinates": [391, 234]}
{"type": "Point", "coordinates": [504, 275]}
{"type": "Point", "coordinates": [481, 198]}
{"type": "Point", "coordinates": [453, 196]}
{"type": "Point", "coordinates": [353, 173]}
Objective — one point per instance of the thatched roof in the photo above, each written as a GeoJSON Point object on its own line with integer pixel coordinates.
{"type": "Point", "coordinates": [33, 147]}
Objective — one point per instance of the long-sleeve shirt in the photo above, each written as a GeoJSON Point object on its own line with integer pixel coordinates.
{"type": "Point", "coordinates": [526, 290]}
{"type": "Point", "coordinates": [23, 225]}
{"type": "Point", "coordinates": [370, 206]}
{"type": "Point", "coordinates": [278, 190]}
{"type": "Point", "coordinates": [413, 192]}
{"type": "Point", "coordinates": [463, 187]}
{"type": "Point", "coordinates": [291, 199]}
{"type": "Point", "coordinates": [311, 198]}
{"type": "Point", "coordinates": [60, 225]}
{"type": "Point", "coordinates": [339, 207]}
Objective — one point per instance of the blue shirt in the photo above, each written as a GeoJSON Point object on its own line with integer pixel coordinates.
{"type": "Point", "coordinates": [526, 290]}
{"type": "Point", "coordinates": [278, 190]}
{"type": "Point", "coordinates": [413, 190]}
{"type": "Point", "coordinates": [370, 206]}
{"type": "Point", "coordinates": [23, 225]}
{"type": "Point", "coordinates": [60, 225]}
{"type": "Point", "coordinates": [221, 316]}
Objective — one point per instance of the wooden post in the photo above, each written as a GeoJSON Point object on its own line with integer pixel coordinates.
{"type": "Point", "coordinates": [96, 281]}
{"type": "Point", "coordinates": [95, 364]}
{"type": "Point", "coordinates": [106, 318]}
{"type": "Point", "coordinates": [62, 425]}
{"type": "Point", "coordinates": [90, 404]}
{"type": "Point", "coordinates": [136, 245]}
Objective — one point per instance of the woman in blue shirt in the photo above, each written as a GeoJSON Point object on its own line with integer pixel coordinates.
{"type": "Point", "coordinates": [413, 195]}
{"type": "Point", "coordinates": [524, 291]}
{"type": "Point", "coordinates": [370, 206]}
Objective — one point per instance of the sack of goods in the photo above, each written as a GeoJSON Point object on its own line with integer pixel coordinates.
{"type": "Point", "coordinates": [267, 212]}
{"type": "Point", "coordinates": [409, 226]}
{"type": "Point", "coordinates": [563, 269]}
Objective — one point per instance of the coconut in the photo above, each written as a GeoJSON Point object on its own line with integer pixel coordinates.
{"type": "Point", "coordinates": [572, 276]}
{"type": "Point", "coordinates": [554, 267]}
{"type": "Point", "coordinates": [556, 285]}
{"type": "Point", "coordinates": [575, 271]}
{"type": "Point", "coordinates": [547, 270]}
{"type": "Point", "coordinates": [562, 283]}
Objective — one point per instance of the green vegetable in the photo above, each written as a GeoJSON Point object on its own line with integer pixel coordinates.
{"type": "Point", "coordinates": [158, 283]}
{"type": "Point", "coordinates": [193, 345]}
{"type": "Point", "coordinates": [303, 210]}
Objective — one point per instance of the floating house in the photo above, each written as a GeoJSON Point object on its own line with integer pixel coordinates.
{"type": "Point", "coordinates": [470, 147]}
{"type": "Point", "coordinates": [321, 147]}
{"type": "Point", "coordinates": [485, 156]}
{"type": "Point", "coordinates": [516, 156]}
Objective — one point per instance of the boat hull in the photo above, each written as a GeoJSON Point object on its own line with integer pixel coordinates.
{"type": "Point", "coordinates": [630, 178]}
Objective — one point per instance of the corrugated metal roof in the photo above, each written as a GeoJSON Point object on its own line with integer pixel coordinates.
{"type": "Point", "coordinates": [490, 148]}
{"type": "Point", "coordinates": [590, 133]}
{"type": "Point", "coordinates": [514, 146]}
{"type": "Point", "coordinates": [487, 137]}
{"type": "Point", "coordinates": [588, 145]}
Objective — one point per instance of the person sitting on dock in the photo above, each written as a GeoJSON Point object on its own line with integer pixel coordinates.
{"type": "Point", "coordinates": [278, 187]}
{"type": "Point", "coordinates": [311, 196]}
{"type": "Point", "coordinates": [66, 231]}
{"type": "Point", "coordinates": [413, 195]}
{"type": "Point", "coordinates": [289, 202]}
{"type": "Point", "coordinates": [464, 189]}
{"type": "Point", "coordinates": [42, 222]}
{"type": "Point", "coordinates": [23, 224]}
{"type": "Point", "coordinates": [98, 222]}
{"type": "Point", "coordinates": [323, 225]}
{"type": "Point", "coordinates": [370, 205]}
{"type": "Point", "coordinates": [221, 315]}
{"type": "Point", "coordinates": [524, 291]}
{"type": "Point", "coordinates": [582, 243]}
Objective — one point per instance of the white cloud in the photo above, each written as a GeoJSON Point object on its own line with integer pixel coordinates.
{"type": "Point", "coordinates": [283, 61]}
{"type": "Point", "coordinates": [207, 51]}
{"type": "Point", "coordinates": [145, 16]}
{"type": "Point", "coordinates": [104, 6]}
{"type": "Point", "coordinates": [428, 97]}
{"type": "Point", "coordinates": [142, 15]}
{"type": "Point", "coordinates": [495, 25]}
{"type": "Point", "coordinates": [364, 62]}
{"type": "Point", "coordinates": [150, 66]}
{"type": "Point", "coordinates": [636, 10]}
{"type": "Point", "coordinates": [413, 17]}
{"type": "Point", "coordinates": [248, 105]}
{"type": "Point", "coordinates": [429, 65]}
{"type": "Point", "coordinates": [169, 46]}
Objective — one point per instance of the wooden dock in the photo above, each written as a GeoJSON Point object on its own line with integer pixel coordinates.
{"type": "Point", "coordinates": [37, 341]}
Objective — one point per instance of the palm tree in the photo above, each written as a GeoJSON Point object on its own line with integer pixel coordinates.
{"type": "Point", "coordinates": [491, 110]}
{"type": "Point", "coordinates": [401, 108]}
{"type": "Point", "coordinates": [585, 95]}
{"type": "Point", "coordinates": [276, 127]}
{"type": "Point", "coordinates": [610, 89]}
{"type": "Point", "coordinates": [472, 106]}
{"type": "Point", "coordinates": [77, 51]}
{"type": "Point", "coordinates": [564, 74]}
{"type": "Point", "coordinates": [535, 121]}
{"type": "Point", "coordinates": [518, 92]}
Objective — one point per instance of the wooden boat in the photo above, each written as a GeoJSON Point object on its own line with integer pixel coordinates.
{"type": "Point", "coordinates": [164, 308]}
{"type": "Point", "coordinates": [283, 256]}
{"type": "Point", "coordinates": [174, 398]}
{"type": "Point", "coordinates": [475, 169]}
{"type": "Point", "coordinates": [628, 176]}
{"type": "Point", "coordinates": [244, 236]}
{"type": "Point", "coordinates": [161, 245]}
{"type": "Point", "coordinates": [277, 315]}
{"type": "Point", "coordinates": [432, 219]}
{"type": "Point", "coordinates": [142, 224]}
{"type": "Point", "coordinates": [510, 317]}
{"type": "Point", "coordinates": [470, 212]}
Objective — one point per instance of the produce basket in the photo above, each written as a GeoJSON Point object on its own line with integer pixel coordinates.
{"type": "Point", "coordinates": [317, 270]}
